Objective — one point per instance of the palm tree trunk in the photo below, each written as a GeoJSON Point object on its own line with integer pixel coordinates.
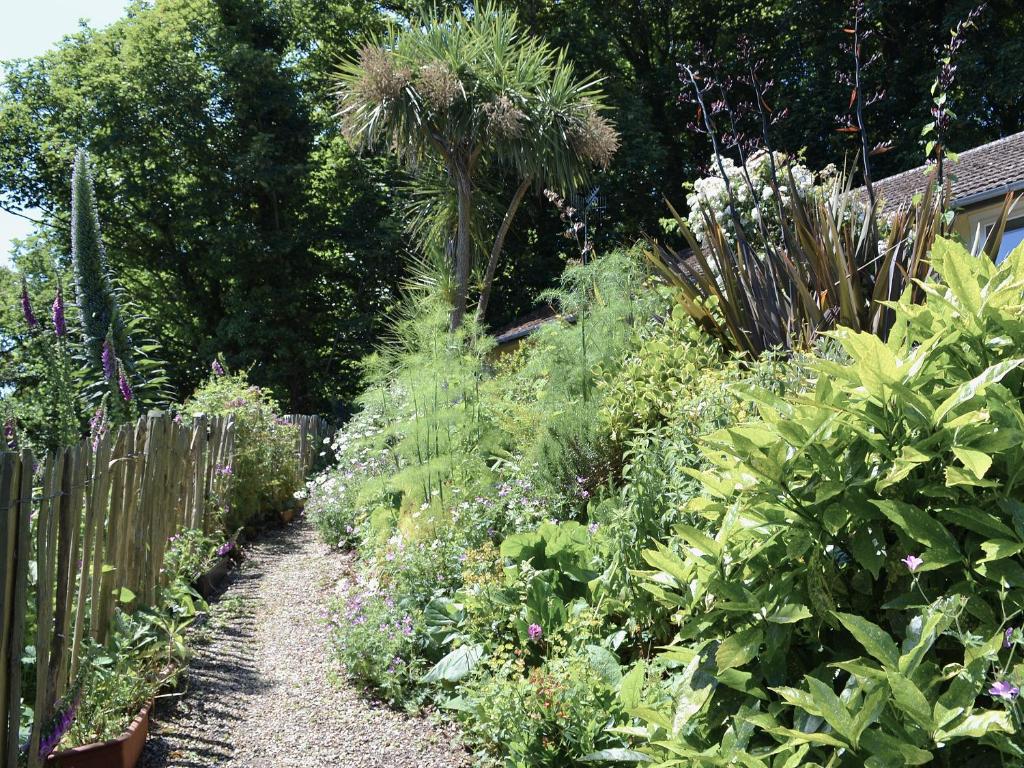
{"type": "Point", "coordinates": [498, 247]}
{"type": "Point", "coordinates": [459, 168]}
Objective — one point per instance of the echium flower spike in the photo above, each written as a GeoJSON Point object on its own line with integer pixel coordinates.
{"type": "Point", "coordinates": [26, 307]}
{"type": "Point", "coordinates": [99, 313]}
{"type": "Point", "coordinates": [217, 368]}
{"type": "Point", "coordinates": [60, 326]}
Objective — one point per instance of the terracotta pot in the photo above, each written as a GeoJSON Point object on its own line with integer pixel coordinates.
{"type": "Point", "coordinates": [122, 752]}
{"type": "Point", "coordinates": [208, 584]}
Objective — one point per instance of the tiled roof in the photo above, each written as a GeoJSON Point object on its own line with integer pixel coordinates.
{"type": "Point", "coordinates": [982, 173]}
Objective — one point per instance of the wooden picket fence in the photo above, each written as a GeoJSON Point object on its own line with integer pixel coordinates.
{"type": "Point", "coordinates": [312, 431]}
{"type": "Point", "coordinates": [95, 519]}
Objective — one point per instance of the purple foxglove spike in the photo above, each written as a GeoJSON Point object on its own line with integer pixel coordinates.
{"type": "Point", "coordinates": [108, 360]}
{"type": "Point", "coordinates": [125, 387]}
{"type": "Point", "coordinates": [60, 326]}
{"type": "Point", "coordinates": [26, 307]}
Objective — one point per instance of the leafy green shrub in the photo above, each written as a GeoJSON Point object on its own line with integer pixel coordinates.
{"type": "Point", "coordinates": [341, 499]}
{"type": "Point", "coordinates": [546, 716]}
{"type": "Point", "coordinates": [375, 638]}
{"type": "Point", "coordinates": [264, 472]}
{"type": "Point", "coordinates": [853, 590]}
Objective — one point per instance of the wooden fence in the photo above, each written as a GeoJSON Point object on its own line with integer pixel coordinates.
{"type": "Point", "coordinates": [312, 431]}
{"type": "Point", "coordinates": [95, 519]}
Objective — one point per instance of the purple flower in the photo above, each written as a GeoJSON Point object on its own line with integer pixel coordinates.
{"type": "Point", "coordinates": [1008, 637]}
{"type": "Point", "coordinates": [98, 427]}
{"type": "Point", "coordinates": [59, 726]}
{"type": "Point", "coordinates": [913, 562]}
{"type": "Point", "coordinates": [1004, 690]}
{"type": "Point", "coordinates": [225, 471]}
{"type": "Point", "coordinates": [225, 548]}
{"type": "Point", "coordinates": [592, 528]}
{"type": "Point", "coordinates": [26, 307]}
{"type": "Point", "coordinates": [107, 357]}
{"type": "Point", "coordinates": [535, 632]}
{"type": "Point", "coordinates": [10, 434]}
{"type": "Point", "coordinates": [60, 326]}
{"type": "Point", "coordinates": [125, 387]}
{"type": "Point", "coordinates": [218, 369]}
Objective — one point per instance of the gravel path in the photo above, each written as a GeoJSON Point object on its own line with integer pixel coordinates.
{"type": "Point", "coordinates": [263, 690]}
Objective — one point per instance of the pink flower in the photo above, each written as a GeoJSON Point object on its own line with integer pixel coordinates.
{"type": "Point", "coordinates": [535, 632]}
{"type": "Point", "coordinates": [1004, 690]}
{"type": "Point", "coordinates": [913, 562]}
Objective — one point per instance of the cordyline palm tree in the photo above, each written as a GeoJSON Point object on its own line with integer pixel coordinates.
{"type": "Point", "coordinates": [474, 90]}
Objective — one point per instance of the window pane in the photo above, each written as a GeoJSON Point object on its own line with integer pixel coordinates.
{"type": "Point", "coordinates": [1012, 237]}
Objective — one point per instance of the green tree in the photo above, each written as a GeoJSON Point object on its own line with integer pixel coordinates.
{"type": "Point", "coordinates": [234, 215]}
{"type": "Point", "coordinates": [473, 90]}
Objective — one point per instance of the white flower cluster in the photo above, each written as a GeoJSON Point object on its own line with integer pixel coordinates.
{"type": "Point", "coordinates": [753, 198]}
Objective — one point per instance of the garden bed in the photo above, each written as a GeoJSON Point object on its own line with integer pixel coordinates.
{"type": "Point", "coordinates": [122, 752]}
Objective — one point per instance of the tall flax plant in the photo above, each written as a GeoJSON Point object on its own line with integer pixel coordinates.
{"type": "Point", "coordinates": [829, 267]}
{"type": "Point", "coordinates": [827, 263]}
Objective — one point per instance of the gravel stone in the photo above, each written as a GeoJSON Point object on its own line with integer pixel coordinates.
{"type": "Point", "coordinates": [263, 689]}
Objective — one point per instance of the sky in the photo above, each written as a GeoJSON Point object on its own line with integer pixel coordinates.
{"type": "Point", "coordinates": [28, 28]}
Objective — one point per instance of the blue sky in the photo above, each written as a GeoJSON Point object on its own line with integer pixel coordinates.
{"type": "Point", "coordinates": [30, 27]}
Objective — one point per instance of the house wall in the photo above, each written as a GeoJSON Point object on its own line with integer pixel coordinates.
{"type": "Point", "coordinates": [968, 220]}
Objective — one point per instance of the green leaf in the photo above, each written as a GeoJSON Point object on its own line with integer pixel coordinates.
{"type": "Point", "coordinates": [667, 561]}
{"type": "Point", "coordinates": [605, 664]}
{"type": "Point", "coordinates": [977, 725]}
{"type": "Point", "coordinates": [875, 640]}
{"type": "Point", "coordinates": [887, 747]}
{"type": "Point", "coordinates": [699, 541]}
{"type": "Point", "coordinates": [832, 708]}
{"type": "Point", "coordinates": [797, 697]}
{"type": "Point", "coordinates": [920, 526]}
{"type": "Point", "coordinates": [970, 389]}
{"type": "Point", "coordinates": [736, 650]}
{"type": "Point", "coordinates": [632, 685]}
{"type": "Point", "coordinates": [789, 614]}
{"type": "Point", "coordinates": [978, 462]}
{"type": "Point", "coordinates": [126, 596]}
{"type": "Point", "coordinates": [997, 549]}
{"type": "Point", "coordinates": [911, 701]}
{"type": "Point", "coordinates": [691, 700]}
{"type": "Point", "coordinates": [869, 711]}
{"type": "Point", "coordinates": [456, 665]}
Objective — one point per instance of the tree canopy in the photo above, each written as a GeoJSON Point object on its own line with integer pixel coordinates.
{"type": "Point", "coordinates": [242, 221]}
